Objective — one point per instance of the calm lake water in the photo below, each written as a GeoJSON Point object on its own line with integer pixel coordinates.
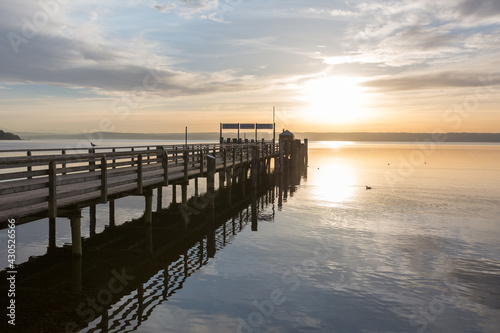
{"type": "Point", "coordinates": [418, 252]}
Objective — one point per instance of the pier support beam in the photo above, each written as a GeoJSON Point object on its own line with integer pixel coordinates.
{"type": "Point", "coordinates": [148, 213]}
{"type": "Point", "coordinates": [76, 233]}
{"type": "Point", "coordinates": [281, 157]}
{"type": "Point", "coordinates": [255, 167]}
{"type": "Point", "coordinates": [52, 233]}
{"type": "Point", "coordinates": [243, 179]}
{"type": "Point", "coordinates": [306, 152]}
{"type": "Point", "coordinates": [111, 213]}
{"type": "Point", "coordinates": [159, 198]}
{"type": "Point", "coordinates": [211, 186]}
{"type": "Point", "coordinates": [93, 219]}
{"type": "Point", "coordinates": [221, 179]}
{"type": "Point", "coordinates": [148, 221]}
{"type": "Point", "coordinates": [229, 178]}
{"type": "Point", "coordinates": [184, 192]}
{"type": "Point", "coordinates": [211, 206]}
{"type": "Point", "coordinates": [196, 187]}
{"type": "Point", "coordinates": [174, 193]}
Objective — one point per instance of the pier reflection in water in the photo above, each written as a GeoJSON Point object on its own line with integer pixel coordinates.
{"type": "Point", "coordinates": [128, 270]}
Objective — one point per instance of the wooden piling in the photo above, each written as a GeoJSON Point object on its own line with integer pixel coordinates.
{"type": "Point", "coordinates": [93, 219]}
{"type": "Point", "coordinates": [52, 190]}
{"type": "Point", "coordinates": [52, 233]}
{"type": "Point", "coordinates": [281, 156]}
{"type": "Point", "coordinates": [184, 192]}
{"type": "Point", "coordinates": [76, 233]}
{"type": "Point", "coordinates": [111, 213]}
{"type": "Point", "coordinates": [148, 213]}
{"type": "Point", "coordinates": [254, 171]}
{"type": "Point", "coordinates": [229, 185]}
{"type": "Point", "coordinates": [211, 185]}
{"type": "Point", "coordinates": [174, 193]}
{"type": "Point", "coordinates": [159, 198]}
{"type": "Point", "coordinates": [306, 152]}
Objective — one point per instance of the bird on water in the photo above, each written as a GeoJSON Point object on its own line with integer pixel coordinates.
{"type": "Point", "coordinates": [368, 187]}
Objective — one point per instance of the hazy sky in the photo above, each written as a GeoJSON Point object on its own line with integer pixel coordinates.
{"type": "Point", "coordinates": [157, 66]}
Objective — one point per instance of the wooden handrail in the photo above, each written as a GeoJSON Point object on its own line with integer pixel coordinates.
{"type": "Point", "coordinates": [41, 184]}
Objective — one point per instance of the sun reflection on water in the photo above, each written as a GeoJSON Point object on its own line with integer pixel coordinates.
{"type": "Point", "coordinates": [335, 184]}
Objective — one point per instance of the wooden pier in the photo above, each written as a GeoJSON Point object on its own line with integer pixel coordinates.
{"type": "Point", "coordinates": [178, 252]}
{"type": "Point", "coordinates": [60, 182]}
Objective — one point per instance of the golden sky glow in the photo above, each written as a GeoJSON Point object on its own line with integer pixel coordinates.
{"type": "Point", "coordinates": [414, 66]}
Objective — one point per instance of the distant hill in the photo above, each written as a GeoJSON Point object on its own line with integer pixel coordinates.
{"type": "Point", "coordinates": [8, 136]}
{"type": "Point", "coordinates": [401, 137]}
{"type": "Point", "coordinates": [312, 136]}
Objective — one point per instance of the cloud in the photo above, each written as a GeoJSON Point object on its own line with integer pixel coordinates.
{"type": "Point", "coordinates": [478, 8]}
{"type": "Point", "coordinates": [206, 9]}
{"type": "Point", "coordinates": [439, 80]}
{"type": "Point", "coordinates": [64, 54]}
{"type": "Point", "coordinates": [416, 33]}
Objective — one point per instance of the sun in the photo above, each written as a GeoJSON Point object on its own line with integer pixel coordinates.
{"type": "Point", "coordinates": [333, 100]}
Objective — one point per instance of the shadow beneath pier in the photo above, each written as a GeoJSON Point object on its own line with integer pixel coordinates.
{"type": "Point", "coordinates": [128, 270]}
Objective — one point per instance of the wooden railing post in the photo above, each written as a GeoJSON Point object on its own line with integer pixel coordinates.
{"type": "Point", "coordinates": [164, 162]}
{"type": "Point", "coordinates": [139, 174]}
{"type": "Point", "coordinates": [63, 152]}
{"type": "Point", "coordinates": [234, 155]}
{"type": "Point", "coordinates": [28, 153]}
{"type": "Point", "coordinates": [52, 190]}
{"type": "Point", "coordinates": [201, 161]}
{"type": "Point", "coordinates": [224, 161]}
{"type": "Point", "coordinates": [91, 160]}
{"type": "Point", "coordinates": [186, 164]}
{"type": "Point", "coordinates": [104, 180]}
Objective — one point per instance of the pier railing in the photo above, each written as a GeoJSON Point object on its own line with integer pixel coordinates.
{"type": "Point", "coordinates": [44, 185]}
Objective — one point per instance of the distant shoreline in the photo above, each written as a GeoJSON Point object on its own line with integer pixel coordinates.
{"type": "Point", "coordinates": [312, 136]}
